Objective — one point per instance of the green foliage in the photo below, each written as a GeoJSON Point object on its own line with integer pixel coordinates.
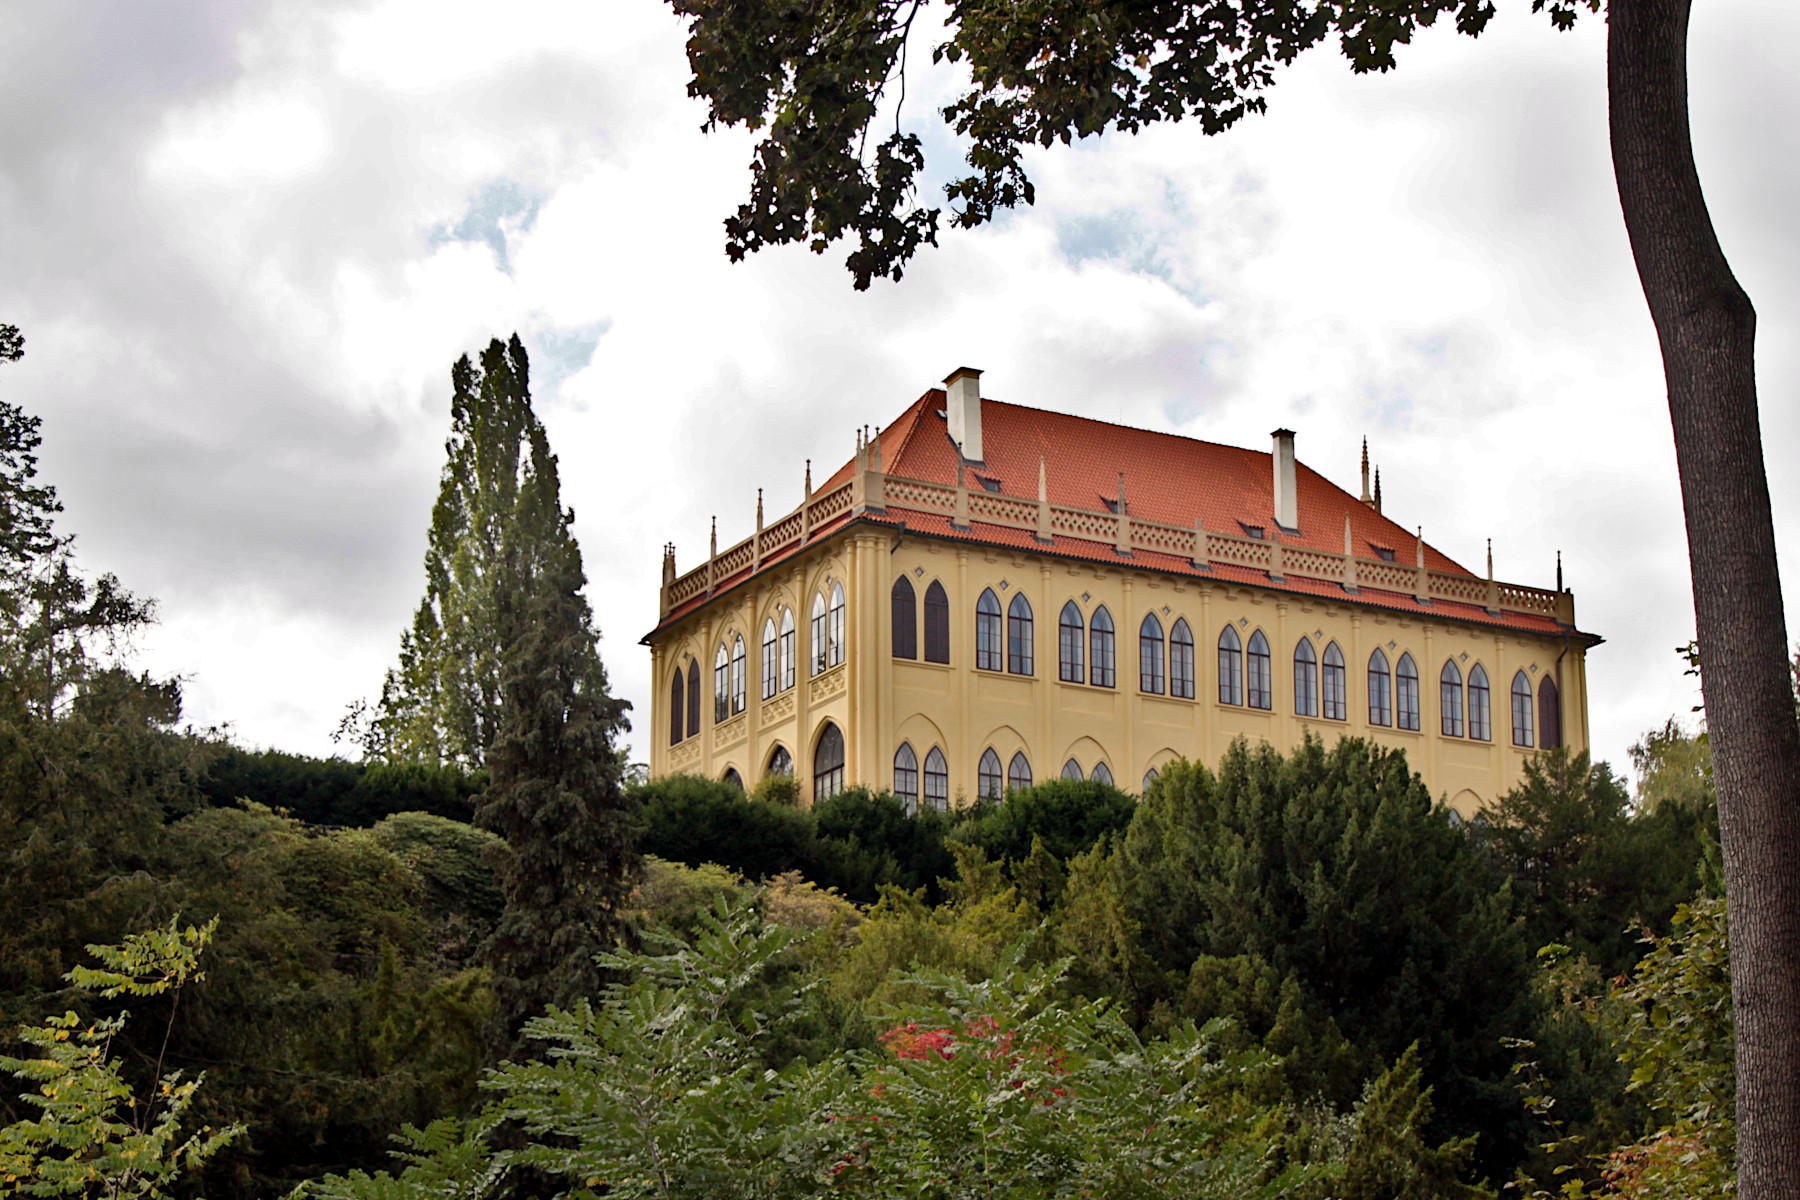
{"type": "Point", "coordinates": [1067, 815]}
{"type": "Point", "coordinates": [1588, 869]}
{"type": "Point", "coordinates": [93, 1136]}
{"type": "Point", "coordinates": [332, 791]}
{"type": "Point", "coordinates": [1389, 1157]}
{"type": "Point", "coordinates": [1674, 768]}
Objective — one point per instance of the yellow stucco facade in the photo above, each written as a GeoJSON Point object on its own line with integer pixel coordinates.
{"type": "Point", "coordinates": [880, 702]}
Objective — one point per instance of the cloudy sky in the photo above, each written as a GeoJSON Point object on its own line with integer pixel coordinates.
{"type": "Point", "coordinates": [246, 238]}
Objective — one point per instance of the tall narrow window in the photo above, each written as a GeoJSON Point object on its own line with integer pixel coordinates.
{"type": "Point", "coordinates": [828, 764]}
{"type": "Point", "coordinates": [1450, 699]}
{"type": "Point", "coordinates": [1380, 697]}
{"type": "Point", "coordinates": [1521, 710]}
{"type": "Point", "coordinates": [1549, 715]}
{"type": "Point", "coordinates": [1259, 675]}
{"type": "Point", "coordinates": [1406, 693]}
{"type": "Point", "coordinates": [1231, 667]}
{"type": "Point", "coordinates": [781, 762]}
{"type": "Point", "coordinates": [937, 781]}
{"type": "Point", "coordinates": [906, 777]}
{"type": "Point", "coordinates": [1070, 634]}
{"type": "Point", "coordinates": [1150, 777]}
{"type": "Point", "coordinates": [1336, 690]}
{"type": "Point", "coordinates": [817, 631]}
{"type": "Point", "coordinates": [788, 638]}
{"type": "Point", "coordinates": [1072, 770]}
{"type": "Point", "coordinates": [835, 635]}
{"type": "Point", "coordinates": [1306, 680]}
{"type": "Point", "coordinates": [937, 624]}
{"type": "Point", "coordinates": [1481, 707]}
{"type": "Point", "coordinates": [1019, 638]}
{"type": "Point", "coordinates": [771, 660]}
{"type": "Point", "coordinates": [989, 646]}
{"type": "Point", "coordinates": [1102, 774]}
{"type": "Point", "coordinates": [906, 622]}
{"type": "Point", "coordinates": [739, 668]}
{"type": "Point", "coordinates": [721, 684]}
{"type": "Point", "coordinates": [1181, 660]}
{"type": "Point", "coordinates": [733, 778]}
{"type": "Point", "coordinates": [693, 691]}
{"type": "Point", "coordinates": [1150, 655]}
{"type": "Point", "coordinates": [987, 775]}
{"type": "Point", "coordinates": [1100, 649]}
{"type": "Point", "coordinates": [1018, 772]}
{"type": "Point", "coordinates": [677, 707]}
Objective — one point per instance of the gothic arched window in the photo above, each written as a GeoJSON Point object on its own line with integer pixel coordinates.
{"type": "Point", "coordinates": [1231, 667]}
{"type": "Point", "coordinates": [906, 777]}
{"type": "Point", "coordinates": [1336, 689]}
{"type": "Point", "coordinates": [987, 775]}
{"type": "Point", "coordinates": [828, 764]}
{"type": "Point", "coordinates": [1521, 710]}
{"type": "Point", "coordinates": [1306, 680]}
{"type": "Point", "coordinates": [1100, 649]}
{"type": "Point", "coordinates": [835, 634]}
{"type": "Point", "coordinates": [819, 649]}
{"type": "Point", "coordinates": [937, 781]}
{"type": "Point", "coordinates": [771, 660]}
{"type": "Point", "coordinates": [1259, 676]}
{"type": "Point", "coordinates": [1181, 660]}
{"type": "Point", "coordinates": [1019, 638]}
{"type": "Point", "coordinates": [989, 652]}
{"type": "Point", "coordinates": [1072, 770]}
{"type": "Point", "coordinates": [1450, 699]}
{"type": "Point", "coordinates": [1102, 774]}
{"type": "Point", "coordinates": [1150, 777]}
{"type": "Point", "coordinates": [677, 707]}
{"type": "Point", "coordinates": [721, 684]}
{"type": "Point", "coordinates": [1150, 655]}
{"type": "Point", "coordinates": [1406, 693]}
{"type": "Point", "coordinates": [787, 649]}
{"type": "Point", "coordinates": [1481, 706]}
{"type": "Point", "coordinates": [739, 667]}
{"type": "Point", "coordinates": [1070, 634]}
{"type": "Point", "coordinates": [1380, 696]}
{"type": "Point", "coordinates": [1549, 715]}
{"type": "Point", "coordinates": [906, 622]}
{"type": "Point", "coordinates": [732, 778]}
{"type": "Point", "coordinates": [693, 697]}
{"type": "Point", "coordinates": [1018, 772]}
{"type": "Point", "coordinates": [937, 624]}
{"type": "Point", "coordinates": [781, 762]}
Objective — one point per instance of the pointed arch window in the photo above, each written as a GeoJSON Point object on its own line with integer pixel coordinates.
{"type": "Point", "coordinates": [1150, 655]}
{"type": "Point", "coordinates": [1070, 634]}
{"type": "Point", "coordinates": [739, 668]}
{"type": "Point", "coordinates": [771, 660]}
{"type": "Point", "coordinates": [990, 654]}
{"type": "Point", "coordinates": [828, 764]}
{"type": "Point", "coordinates": [835, 634]}
{"type": "Point", "coordinates": [721, 684]}
{"type": "Point", "coordinates": [817, 632]}
{"type": "Point", "coordinates": [1481, 705]}
{"type": "Point", "coordinates": [1381, 711]}
{"type": "Point", "coordinates": [1102, 774]}
{"type": "Point", "coordinates": [1306, 680]}
{"type": "Point", "coordinates": [1018, 772]}
{"type": "Point", "coordinates": [677, 707]}
{"type": "Point", "coordinates": [906, 619]}
{"type": "Point", "coordinates": [1450, 699]}
{"type": "Point", "coordinates": [1100, 649]}
{"type": "Point", "coordinates": [1072, 770]}
{"type": "Point", "coordinates": [906, 777]}
{"type": "Point", "coordinates": [693, 697]}
{"type": "Point", "coordinates": [1150, 777]}
{"type": "Point", "coordinates": [781, 762]}
{"type": "Point", "coordinates": [1181, 660]}
{"type": "Point", "coordinates": [1521, 711]}
{"type": "Point", "coordinates": [988, 780]}
{"type": "Point", "coordinates": [1259, 675]}
{"type": "Point", "coordinates": [1549, 715]}
{"type": "Point", "coordinates": [1231, 667]}
{"type": "Point", "coordinates": [1406, 693]}
{"type": "Point", "coordinates": [937, 781]}
{"type": "Point", "coordinates": [787, 648]}
{"type": "Point", "coordinates": [732, 778]}
{"type": "Point", "coordinates": [1020, 640]}
{"type": "Point", "coordinates": [937, 624]}
{"type": "Point", "coordinates": [1336, 689]}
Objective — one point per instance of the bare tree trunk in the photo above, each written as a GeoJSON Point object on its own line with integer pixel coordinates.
{"type": "Point", "coordinates": [1707, 330]}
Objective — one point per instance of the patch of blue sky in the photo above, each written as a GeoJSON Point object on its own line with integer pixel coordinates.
{"type": "Point", "coordinates": [559, 352]}
{"type": "Point", "coordinates": [501, 209]}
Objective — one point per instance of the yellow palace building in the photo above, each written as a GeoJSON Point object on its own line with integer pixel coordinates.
{"type": "Point", "coordinates": [990, 594]}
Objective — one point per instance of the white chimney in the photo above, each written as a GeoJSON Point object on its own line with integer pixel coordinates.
{"type": "Point", "coordinates": [963, 411]}
{"type": "Point", "coordinates": [1286, 510]}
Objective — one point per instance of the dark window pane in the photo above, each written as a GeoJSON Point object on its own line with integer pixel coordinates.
{"type": "Point", "coordinates": [906, 624]}
{"type": "Point", "coordinates": [937, 624]}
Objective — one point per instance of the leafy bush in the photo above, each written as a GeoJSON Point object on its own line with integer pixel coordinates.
{"type": "Point", "coordinates": [1068, 815]}
{"type": "Point", "coordinates": [333, 791]}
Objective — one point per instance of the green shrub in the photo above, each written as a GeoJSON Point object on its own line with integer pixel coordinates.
{"type": "Point", "coordinates": [1069, 815]}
